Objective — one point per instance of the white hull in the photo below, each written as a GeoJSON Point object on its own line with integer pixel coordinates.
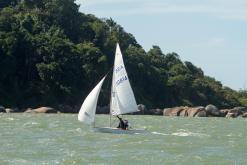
{"type": "Point", "coordinates": [118, 131]}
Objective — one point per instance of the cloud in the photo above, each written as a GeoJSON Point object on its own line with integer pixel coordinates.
{"type": "Point", "coordinates": [227, 9]}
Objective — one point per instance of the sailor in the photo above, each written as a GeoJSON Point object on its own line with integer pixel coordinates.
{"type": "Point", "coordinates": [123, 124]}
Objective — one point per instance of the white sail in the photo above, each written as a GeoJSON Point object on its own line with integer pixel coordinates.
{"type": "Point", "coordinates": [88, 108]}
{"type": "Point", "coordinates": [122, 97]}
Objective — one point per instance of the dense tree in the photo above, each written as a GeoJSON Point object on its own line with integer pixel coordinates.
{"type": "Point", "coordinates": [4, 3]}
{"type": "Point", "coordinates": [52, 54]}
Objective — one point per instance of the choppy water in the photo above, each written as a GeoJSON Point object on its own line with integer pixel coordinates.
{"type": "Point", "coordinates": [30, 139]}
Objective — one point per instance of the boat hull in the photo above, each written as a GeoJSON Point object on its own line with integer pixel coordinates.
{"type": "Point", "coordinates": [118, 131]}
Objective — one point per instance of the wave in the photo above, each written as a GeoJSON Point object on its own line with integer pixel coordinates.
{"type": "Point", "coordinates": [159, 133]}
{"type": "Point", "coordinates": [10, 119]}
{"type": "Point", "coordinates": [29, 124]}
{"type": "Point", "coordinates": [181, 133]}
{"type": "Point", "coordinates": [184, 134]}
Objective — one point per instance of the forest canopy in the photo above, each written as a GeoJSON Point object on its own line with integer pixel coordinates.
{"type": "Point", "coordinates": [52, 54]}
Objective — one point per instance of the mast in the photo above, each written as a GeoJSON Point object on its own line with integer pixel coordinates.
{"type": "Point", "coordinates": [112, 93]}
{"type": "Point", "coordinates": [110, 107]}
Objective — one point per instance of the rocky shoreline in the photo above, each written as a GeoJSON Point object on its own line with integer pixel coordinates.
{"type": "Point", "coordinates": [200, 111]}
{"type": "Point", "coordinates": [182, 111]}
{"type": "Point", "coordinates": [208, 111]}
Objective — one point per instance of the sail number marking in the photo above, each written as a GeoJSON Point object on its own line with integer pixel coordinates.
{"type": "Point", "coordinates": [119, 68]}
{"type": "Point", "coordinates": [121, 80]}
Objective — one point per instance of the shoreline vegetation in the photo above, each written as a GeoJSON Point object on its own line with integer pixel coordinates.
{"type": "Point", "coordinates": [54, 56]}
{"type": "Point", "coordinates": [182, 111]}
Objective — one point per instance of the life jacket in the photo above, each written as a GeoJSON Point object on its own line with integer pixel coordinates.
{"type": "Point", "coordinates": [123, 124]}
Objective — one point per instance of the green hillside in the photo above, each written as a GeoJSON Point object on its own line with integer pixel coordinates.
{"type": "Point", "coordinates": [51, 54]}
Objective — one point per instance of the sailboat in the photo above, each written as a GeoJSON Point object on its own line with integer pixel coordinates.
{"type": "Point", "coordinates": [122, 98]}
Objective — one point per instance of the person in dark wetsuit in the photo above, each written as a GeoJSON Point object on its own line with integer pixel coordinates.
{"type": "Point", "coordinates": [123, 124]}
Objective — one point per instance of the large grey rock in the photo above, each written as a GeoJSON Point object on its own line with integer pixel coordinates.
{"type": "Point", "coordinates": [223, 112]}
{"type": "Point", "coordinates": [142, 109]}
{"type": "Point", "coordinates": [201, 114]}
{"type": "Point", "coordinates": [212, 110]}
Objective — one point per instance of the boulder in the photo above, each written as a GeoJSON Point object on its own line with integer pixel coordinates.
{"type": "Point", "coordinates": [42, 110]}
{"type": "Point", "coordinates": [173, 111]}
{"type": "Point", "coordinates": [223, 112]}
{"type": "Point", "coordinates": [235, 112]}
{"type": "Point", "coordinates": [201, 114]}
{"type": "Point", "coordinates": [29, 110]}
{"type": "Point", "coordinates": [212, 110]}
{"type": "Point", "coordinates": [231, 115]}
{"type": "Point", "coordinates": [184, 112]}
{"type": "Point", "coordinates": [244, 115]}
{"type": "Point", "coordinates": [196, 112]}
{"type": "Point", "coordinates": [242, 109]}
{"type": "Point", "coordinates": [142, 109]}
{"type": "Point", "coordinates": [2, 109]}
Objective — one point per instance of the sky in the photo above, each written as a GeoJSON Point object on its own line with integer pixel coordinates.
{"type": "Point", "coordinates": [212, 34]}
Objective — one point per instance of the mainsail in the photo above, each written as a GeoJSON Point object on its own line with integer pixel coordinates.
{"type": "Point", "coordinates": [88, 108]}
{"type": "Point", "coordinates": [122, 97]}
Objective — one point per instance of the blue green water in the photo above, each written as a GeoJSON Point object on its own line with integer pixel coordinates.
{"type": "Point", "coordinates": [30, 139]}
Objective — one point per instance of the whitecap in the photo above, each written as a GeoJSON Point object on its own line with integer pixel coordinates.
{"type": "Point", "coordinates": [181, 134]}
{"type": "Point", "coordinates": [77, 131]}
{"type": "Point", "coordinates": [184, 134]}
{"type": "Point", "coordinates": [159, 133]}
{"type": "Point", "coordinates": [10, 118]}
{"type": "Point", "coordinates": [230, 135]}
{"type": "Point", "coordinates": [28, 124]}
